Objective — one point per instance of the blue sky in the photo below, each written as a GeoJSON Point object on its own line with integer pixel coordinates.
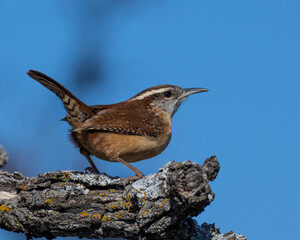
{"type": "Point", "coordinates": [246, 52]}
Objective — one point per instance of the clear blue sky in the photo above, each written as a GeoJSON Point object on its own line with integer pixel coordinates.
{"type": "Point", "coordinates": [246, 52]}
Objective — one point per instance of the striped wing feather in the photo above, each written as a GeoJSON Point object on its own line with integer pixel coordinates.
{"type": "Point", "coordinates": [135, 121]}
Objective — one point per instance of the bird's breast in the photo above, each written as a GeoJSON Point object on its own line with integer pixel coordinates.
{"type": "Point", "coordinates": [131, 148]}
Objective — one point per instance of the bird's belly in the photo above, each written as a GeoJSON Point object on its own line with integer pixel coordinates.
{"type": "Point", "coordinates": [131, 148]}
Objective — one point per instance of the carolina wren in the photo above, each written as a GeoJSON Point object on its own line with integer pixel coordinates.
{"type": "Point", "coordinates": [130, 131]}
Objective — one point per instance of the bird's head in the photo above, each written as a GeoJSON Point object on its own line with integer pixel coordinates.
{"type": "Point", "coordinates": [166, 97]}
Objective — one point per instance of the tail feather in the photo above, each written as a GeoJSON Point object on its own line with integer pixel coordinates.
{"type": "Point", "coordinates": [77, 110]}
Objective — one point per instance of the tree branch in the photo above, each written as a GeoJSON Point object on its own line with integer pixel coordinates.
{"type": "Point", "coordinates": [69, 203]}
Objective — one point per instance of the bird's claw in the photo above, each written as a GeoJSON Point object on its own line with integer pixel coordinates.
{"type": "Point", "coordinates": [91, 170]}
{"type": "Point", "coordinates": [133, 178]}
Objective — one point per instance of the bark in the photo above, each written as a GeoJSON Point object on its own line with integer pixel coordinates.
{"type": "Point", "coordinates": [69, 203]}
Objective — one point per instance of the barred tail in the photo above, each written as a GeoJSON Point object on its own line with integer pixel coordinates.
{"type": "Point", "coordinates": [77, 110]}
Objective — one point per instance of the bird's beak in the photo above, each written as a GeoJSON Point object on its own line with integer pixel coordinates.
{"type": "Point", "coordinates": [189, 91]}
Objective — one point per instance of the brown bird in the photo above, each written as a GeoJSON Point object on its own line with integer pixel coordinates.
{"type": "Point", "coordinates": [130, 131]}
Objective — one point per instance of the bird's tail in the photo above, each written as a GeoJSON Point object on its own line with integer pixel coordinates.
{"type": "Point", "coordinates": [77, 110]}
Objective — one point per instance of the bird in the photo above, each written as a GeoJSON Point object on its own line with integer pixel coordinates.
{"type": "Point", "coordinates": [126, 132]}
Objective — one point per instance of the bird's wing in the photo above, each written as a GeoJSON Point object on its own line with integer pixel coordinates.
{"type": "Point", "coordinates": [133, 121]}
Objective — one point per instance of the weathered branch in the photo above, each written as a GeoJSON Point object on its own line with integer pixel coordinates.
{"type": "Point", "coordinates": [71, 203]}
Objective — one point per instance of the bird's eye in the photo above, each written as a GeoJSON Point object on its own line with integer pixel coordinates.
{"type": "Point", "coordinates": [167, 94]}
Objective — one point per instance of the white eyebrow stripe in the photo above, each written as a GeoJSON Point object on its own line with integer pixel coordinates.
{"type": "Point", "coordinates": [149, 93]}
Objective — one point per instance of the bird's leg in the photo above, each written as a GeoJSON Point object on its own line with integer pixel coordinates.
{"type": "Point", "coordinates": [137, 172]}
{"type": "Point", "coordinates": [93, 169]}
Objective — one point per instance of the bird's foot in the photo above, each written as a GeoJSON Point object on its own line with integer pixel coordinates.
{"type": "Point", "coordinates": [133, 178]}
{"type": "Point", "coordinates": [91, 170]}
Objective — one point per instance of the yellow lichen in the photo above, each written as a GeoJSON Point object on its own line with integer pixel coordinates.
{"type": "Point", "coordinates": [50, 201]}
{"type": "Point", "coordinates": [66, 177]}
{"type": "Point", "coordinates": [145, 212]}
{"type": "Point", "coordinates": [119, 214]}
{"type": "Point", "coordinates": [127, 203]}
{"type": "Point", "coordinates": [24, 187]}
{"type": "Point", "coordinates": [179, 164]}
{"type": "Point", "coordinates": [96, 215]}
{"type": "Point", "coordinates": [64, 183]}
{"type": "Point", "coordinates": [84, 214]}
{"type": "Point", "coordinates": [113, 206]}
{"type": "Point", "coordinates": [112, 191]}
{"type": "Point", "coordinates": [163, 202]}
{"type": "Point", "coordinates": [104, 218]}
{"type": "Point", "coordinates": [144, 198]}
{"type": "Point", "coordinates": [127, 197]}
{"type": "Point", "coordinates": [5, 208]}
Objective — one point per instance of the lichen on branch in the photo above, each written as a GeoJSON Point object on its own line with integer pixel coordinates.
{"type": "Point", "coordinates": [69, 203]}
